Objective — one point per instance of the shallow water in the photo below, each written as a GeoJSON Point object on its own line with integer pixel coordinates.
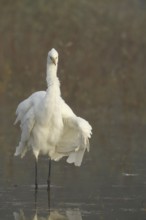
{"type": "Point", "coordinates": [110, 184]}
{"type": "Point", "coordinates": [102, 71]}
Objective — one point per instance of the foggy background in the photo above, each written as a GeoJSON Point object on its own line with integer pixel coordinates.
{"type": "Point", "coordinates": [102, 69]}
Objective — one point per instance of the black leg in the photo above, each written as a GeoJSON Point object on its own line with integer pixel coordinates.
{"type": "Point", "coordinates": [49, 205]}
{"type": "Point", "coordinates": [36, 174]}
{"type": "Point", "coordinates": [49, 174]}
{"type": "Point", "coordinates": [35, 199]}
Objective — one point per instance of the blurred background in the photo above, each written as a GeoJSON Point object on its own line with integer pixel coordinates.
{"type": "Point", "coordinates": [102, 51]}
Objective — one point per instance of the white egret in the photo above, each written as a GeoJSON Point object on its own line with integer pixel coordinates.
{"type": "Point", "coordinates": [49, 126]}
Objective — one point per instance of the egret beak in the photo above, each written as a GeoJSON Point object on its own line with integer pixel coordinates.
{"type": "Point", "coordinates": [53, 60]}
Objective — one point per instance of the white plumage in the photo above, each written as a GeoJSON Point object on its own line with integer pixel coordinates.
{"type": "Point", "coordinates": [48, 124]}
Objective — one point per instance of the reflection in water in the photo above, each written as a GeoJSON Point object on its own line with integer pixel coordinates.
{"type": "Point", "coordinates": [53, 215]}
{"type": "Point", "coordinates": [70, 214]}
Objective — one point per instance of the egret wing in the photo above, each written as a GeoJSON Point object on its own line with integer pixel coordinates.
{"type": "Point", "coordinates": [26, 116]}
{"type": "Point", "coordinates": [75, 136]}
{"type": "Point", "coordinates": [25, 105]}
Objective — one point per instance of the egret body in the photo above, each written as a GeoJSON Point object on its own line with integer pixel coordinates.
{"type": "Point", "coordinates": [49, 126]}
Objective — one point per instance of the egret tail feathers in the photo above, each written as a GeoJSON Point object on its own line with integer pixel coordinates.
{"type": "Point", "coordinates": [20, 150]}
{"type": "Point", "coordinates": [55, 155]}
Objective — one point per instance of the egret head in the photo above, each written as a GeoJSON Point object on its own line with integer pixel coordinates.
{"type": "Point", "coordinates": [53, 57]}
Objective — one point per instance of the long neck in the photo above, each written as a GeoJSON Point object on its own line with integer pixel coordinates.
{"type": "Point", "coordinates": [51, 74]}
{"type": "Point", "coordinates": [53, 91]}
{"type": "Point", "coordinates": [50, 110]}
